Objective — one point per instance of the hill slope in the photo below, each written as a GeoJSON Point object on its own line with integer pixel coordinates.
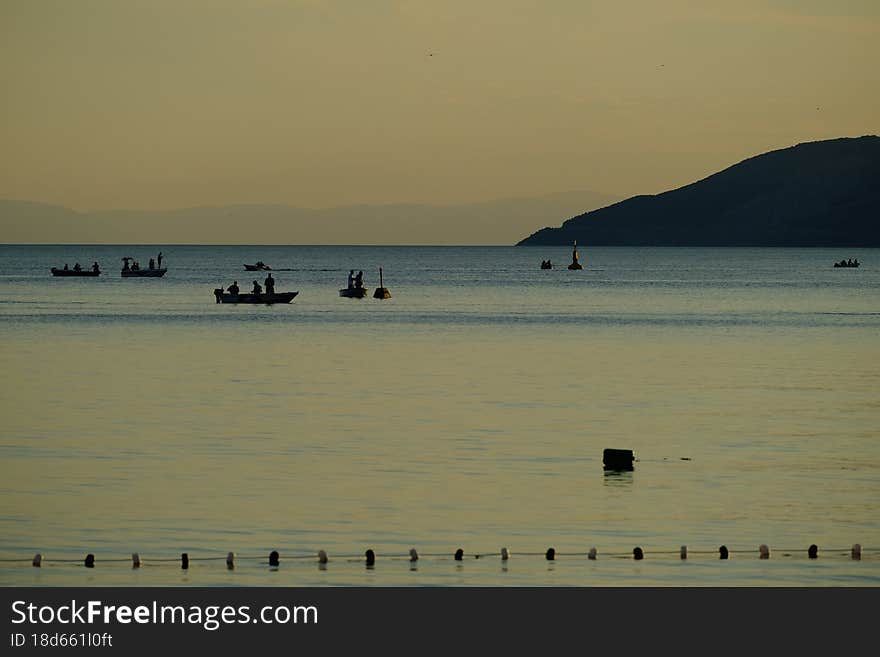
{"type": "Point", "coordinates": [824, 193]}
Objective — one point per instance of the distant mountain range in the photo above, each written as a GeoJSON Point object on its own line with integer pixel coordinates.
{"type": "Point", "coordinates": [497, 222]}
{"type": "Point", "coordinates": [824, 193]}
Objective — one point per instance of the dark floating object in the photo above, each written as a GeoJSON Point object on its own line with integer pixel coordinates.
{"type": "Point", "coordinates": [551, 554]}
{"type": "Point", "coordinates": [38, 560]}
{"type": "Point", "coordinates": [574, 258]}
{"type": "Point", "coordinates": [381, 291]}
{"type": "Point", "coordinates": [258, 266]}
{"type": "Point", "coordinates": [247, 297]}
{"type": "Point", "coordinates": [184, 561]}
{"type": "Point", "coordinates": [618, 459]}
{"type": "Point", "coordinates": [90, 561]}
{"type": "Point", "coordinates": [371, 557]}
{"type": "Point", "coordinates": [847, 263]}
{"type": "Point", "coordinates": [764, 551]}
{"type": "Point", "coordinates": [230, 561]}
{"type": "Point", "coordinates": [638, 555]}
{"type": "Point", "coordinates": [723, 552]}
{"type": "Point", "coordinates": [813, 551]}
{"type": "Point", "coordinates": [459, 554]}
{"type": "Point", "coordinates": [274, 559]}
{"type": "Point", "coordinates": [353, 293]}
{"type": "Point", "coordinates": [74, 272]}
{"type": "Point", "coordinates": [546, 264]}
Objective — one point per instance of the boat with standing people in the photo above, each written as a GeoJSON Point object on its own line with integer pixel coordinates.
{"type": "Point", "coordinates": [77, 270]}
{"type": "Point", "coordinates": [847, 263]}
{"type": "Point", "coordinates": [131, 268]}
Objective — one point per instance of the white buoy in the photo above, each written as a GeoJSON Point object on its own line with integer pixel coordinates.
{"type": "Point", "coordinates": [322, 557]}
{"type": "Point", "coordinates": [684, 552]}
{"type": "Point", "coordinates": [505, 554]}
{"type": "Point", "coordinates": [413, 555]}
{"type": "Point", "coordinates": [592, 554]}
{"type": "Point", "coordinates": [764, 551]}
{"type": "Point", "coordinates": [38, 560]}
{"type": "Point", "coordinates": [856, 552]}
{"type": "Point", "coordinates": [135, 560]}
{"type": "Point", "coordinates": [230, 561]}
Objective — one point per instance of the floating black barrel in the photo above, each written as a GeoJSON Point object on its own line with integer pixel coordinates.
{"type": "Point", "coordinates": [618, 459]}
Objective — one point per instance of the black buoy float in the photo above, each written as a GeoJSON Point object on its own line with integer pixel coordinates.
{"type": "Point", "coordinates": [638, 555]}
{"type": "Point", "coordinates": [371, 558]}
{"type": "Point", "coordinates": [813, 551]}
{"type": "Point", "coordinates": [618, 459]}
{"type": "Point", "coordinates": [551, 554]}
{"type": "Point", "coordinates": [274, 558]}
{"type": "Point", "coordinates": [723, 552]}
{"type": "Point", "coordinates": [184, 561]}
{"type": "Point", "coordinates": [459, 554]}
{"type": "Point", "coordinates": [90, 561]}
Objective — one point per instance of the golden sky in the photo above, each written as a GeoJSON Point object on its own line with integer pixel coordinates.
{"type": "Point", "coordinates": [157, 104]}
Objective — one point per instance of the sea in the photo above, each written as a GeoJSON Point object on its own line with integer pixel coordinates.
{"type": "Point", "coordinates": [469, 411]}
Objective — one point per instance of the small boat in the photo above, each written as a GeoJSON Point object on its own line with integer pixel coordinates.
{"type": "Point", "coordinates": [249, 297]}
{"type": "Point", "coordinates": [74, 272]}
{"type": "Point", "coordinates": [143, 273]}
{"type": "Point", "coordinates": [353, 292]}
{"type": "Point", "coordinates": [546, 264]}
{"type": "Point", "coordinates": [845, 263]}
{"type": "Point", "coordinates": [134, 270]}
{"type": "Point", "coordinates": [258, 266]}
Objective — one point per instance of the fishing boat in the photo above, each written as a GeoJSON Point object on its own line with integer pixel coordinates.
{"type": "Point", "coordinates": [134, 270]}
{"type": "Point", "coordinates": [847, 263]}
{"type": "Point", "coordinates": [353, 292]}
{"type": "Point", "coordinates": [249, 297]}
{"type": "Point", "coordinates": [258, 266]}
{"type": "Point", "coordinates": [74, 272]}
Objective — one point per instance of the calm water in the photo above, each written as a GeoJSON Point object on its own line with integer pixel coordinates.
{"type": "Point", "coordinates": [470, 410]}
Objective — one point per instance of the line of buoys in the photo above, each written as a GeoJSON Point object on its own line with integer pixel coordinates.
{"type": "Point", "coordinates": [370, 556]}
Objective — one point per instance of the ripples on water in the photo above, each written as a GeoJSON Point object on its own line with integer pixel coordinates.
{"type": "Point", "coordinates": [470, 410]}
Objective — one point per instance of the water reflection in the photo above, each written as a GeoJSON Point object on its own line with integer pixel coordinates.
{"type": "Point", "coordinates": [618, 478]}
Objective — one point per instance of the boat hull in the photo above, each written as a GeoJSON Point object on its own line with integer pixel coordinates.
{"type": "Point", "coordinates": [354, 293]}
{"type": "Point", "coordinates": [71, 272]}
{"type": "Point", "coordinates": [247, 297]}
{"type": "Point", "coordinates": [257, 268]}
{"type": "Point", "coordinates": [143, 273]}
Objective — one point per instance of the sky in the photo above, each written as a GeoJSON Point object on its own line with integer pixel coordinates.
{"type": "Point", "coordinates": [162, 104]}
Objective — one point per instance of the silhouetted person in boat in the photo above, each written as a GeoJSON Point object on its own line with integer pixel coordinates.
{"type": "Point", "coordinates": [77, 267]}
{"type": "Point", "coordinates": [66, 268]}
{"type": "Point", "coordinates": [258, 289]}
{"type": "Point", "coordinates": [160, 260]}
{"type": "Point", "coordinates": [152, 264]}
{"type": "Point", "coordinates": [351, 279]}
{"type": "Point", "coordinates": [359, 280]}
{"type": "Point", "coordinates": [849, 263]}
{"type": "Point", "coordinates": [233, 289]}
{"type": "Point", "coordinates": [95, 268]}
{"type": "Point", "coordinates": [125, 266]}
{"type": "Point", "coordinates": [135, 266]}
{"type": "Point", "coordinates": [270, 284]}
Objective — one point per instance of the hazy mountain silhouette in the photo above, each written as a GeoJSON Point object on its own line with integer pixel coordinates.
{"type": "Point", "coordinates": [492, 222]}
{"type": "Point", "coordinates": [824, 193]}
